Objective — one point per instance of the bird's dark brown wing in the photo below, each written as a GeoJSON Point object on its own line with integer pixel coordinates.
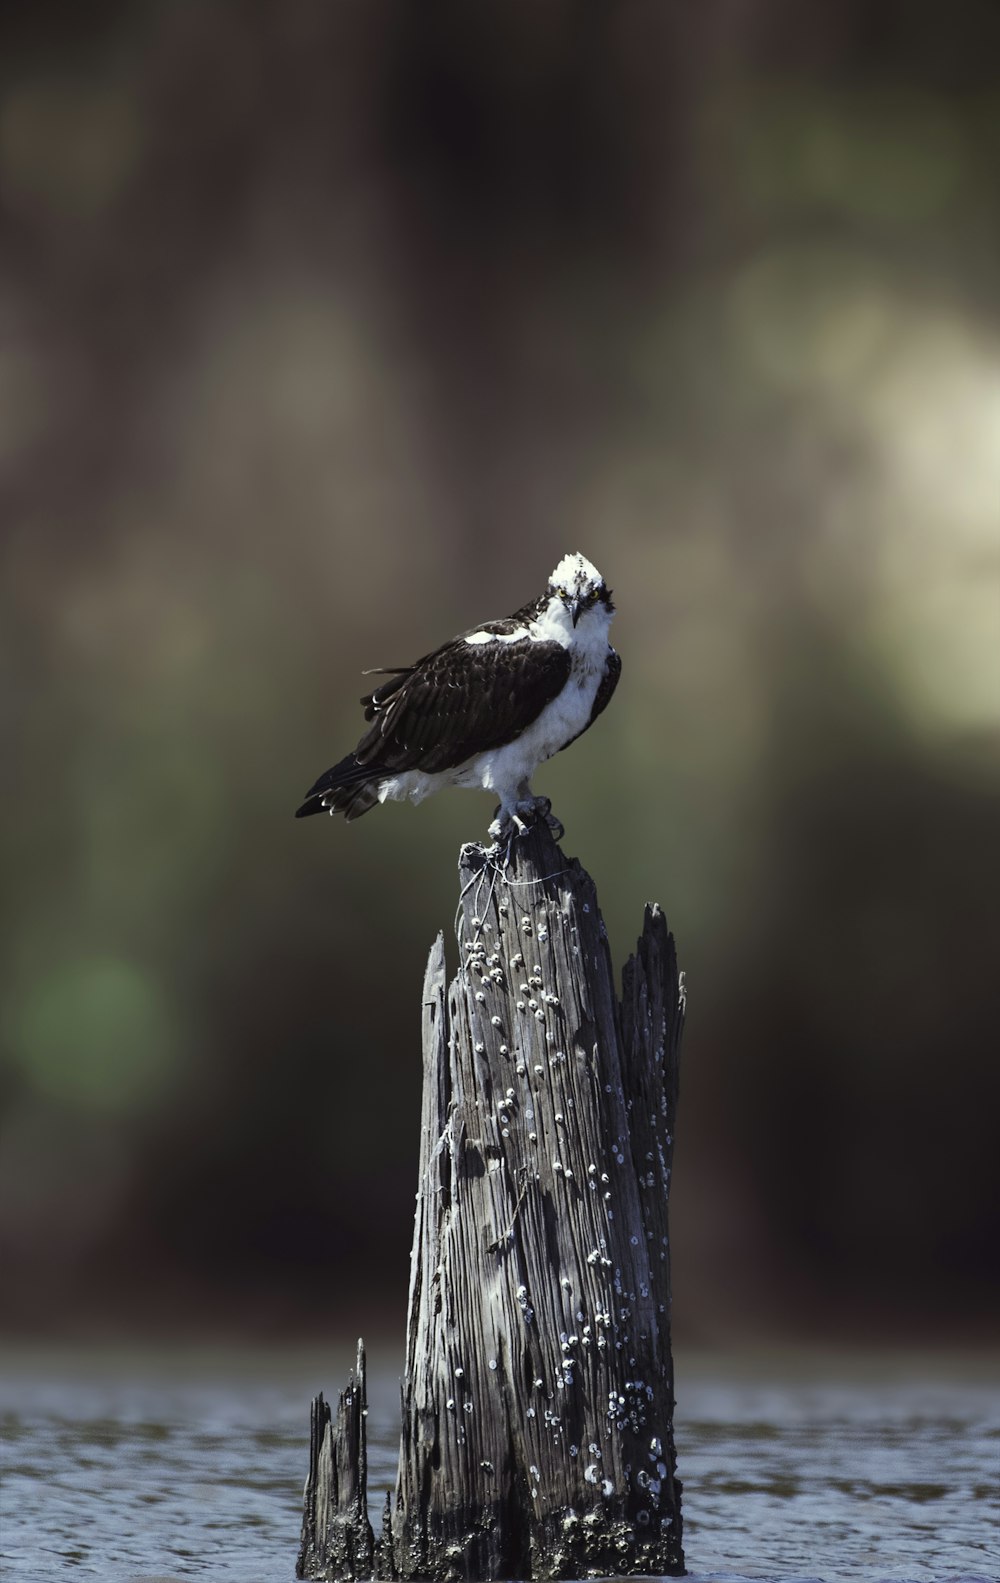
{"type": "Point", "coordinates": [609, 681]}
{"type": "Point", "coordinates": [465, 698]}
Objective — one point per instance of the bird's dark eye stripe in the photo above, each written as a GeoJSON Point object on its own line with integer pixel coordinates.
{"type": "Point", "coordinates": [589, 598]}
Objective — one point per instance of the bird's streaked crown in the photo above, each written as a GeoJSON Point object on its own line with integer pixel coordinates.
{"type": "Point", "coordinates": [578, 577]}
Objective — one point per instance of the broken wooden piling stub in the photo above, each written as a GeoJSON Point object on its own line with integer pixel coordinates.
{"type": "Point", "coordinates": [337, 1539]}
{"type": "Point", "coordinates": [537, 1435]}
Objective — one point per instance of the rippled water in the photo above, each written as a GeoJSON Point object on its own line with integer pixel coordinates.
{"type": "Point", "coordinates": [119, 1470]}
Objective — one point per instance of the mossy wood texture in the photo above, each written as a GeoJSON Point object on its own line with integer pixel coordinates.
{"type": "Point", "coordinates": [537, 1437]}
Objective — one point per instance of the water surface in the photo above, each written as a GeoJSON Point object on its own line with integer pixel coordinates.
{"type": "Point", "coordinates": [192, 1466]}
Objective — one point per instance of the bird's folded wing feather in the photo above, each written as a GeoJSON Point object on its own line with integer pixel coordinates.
{"type": "Point", "coordinates": [463, 699]}
{"type": "Point", "coordinates": [607, 685]}
{"type": "Point", "coordinates": [609, 681]}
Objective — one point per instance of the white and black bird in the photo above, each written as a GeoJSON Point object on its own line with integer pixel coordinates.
{"type": "Point", "coordinates": [485, 709]}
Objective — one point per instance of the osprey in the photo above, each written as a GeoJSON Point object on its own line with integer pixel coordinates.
{"type": "Point", "coordinates": [485, 709]}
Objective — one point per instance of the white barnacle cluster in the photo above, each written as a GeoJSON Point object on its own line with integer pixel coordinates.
{"type": "Point", "coordinates": [652, 1482]}
{"type": "Point", "coordinates": [597, 1333]}
{"type": "Point", "coordinates": [629, 1410]}
{"type": "Point", "coordinates": [552, 1422]}
{"type": "Point", "coordinates": [485, 965]}
{"type": "Point", "coordinates": [494, 970]}
{"type": "Point", "coordinates": [527, 1312]}
{"type": "Point", "coordinates": [567, 1343]}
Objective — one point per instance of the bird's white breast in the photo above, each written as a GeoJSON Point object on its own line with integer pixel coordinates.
{"type": "Point", "coordinates": [567, 714]}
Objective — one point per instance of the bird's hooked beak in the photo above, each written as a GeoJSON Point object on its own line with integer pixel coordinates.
{"type": "Point", "coordinates": [576, 609]}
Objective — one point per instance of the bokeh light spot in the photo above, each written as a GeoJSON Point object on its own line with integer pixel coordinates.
{"type": "Point", "coordinates": [67, 147]}
{"type": "Point", "coordinates": [810, 316]}
{"type": "Point", "coordinates": [95, 1033]}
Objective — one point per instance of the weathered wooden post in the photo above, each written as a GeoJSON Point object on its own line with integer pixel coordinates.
{"type": "Point", "coordinates": [537, 1436]}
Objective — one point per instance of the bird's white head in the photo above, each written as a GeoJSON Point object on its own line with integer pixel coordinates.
{"type": "Point", "coordinates": [580, 586]}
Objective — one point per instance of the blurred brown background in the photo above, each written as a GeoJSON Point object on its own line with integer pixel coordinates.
{"type": "Point", "coordinates": [327, 330]}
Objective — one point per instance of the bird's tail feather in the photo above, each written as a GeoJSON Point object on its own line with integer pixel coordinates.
{"type": "Point", "coordinates": [348, 788]}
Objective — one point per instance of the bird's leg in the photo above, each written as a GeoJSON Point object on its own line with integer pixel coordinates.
{"type": "Point", "coordinates": [532, 808]}
{"type": "Point", "coordinates": [507, 826]}
{"type": "Point", "coordinates": [507, 822]}
{"type": "Point", "coordinates": [503, 829]}
{"type": "Point", "coordinates": [516, 817]}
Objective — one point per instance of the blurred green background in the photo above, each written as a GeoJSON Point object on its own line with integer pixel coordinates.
{"type": "Point", "coordinates": [326, 331]}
